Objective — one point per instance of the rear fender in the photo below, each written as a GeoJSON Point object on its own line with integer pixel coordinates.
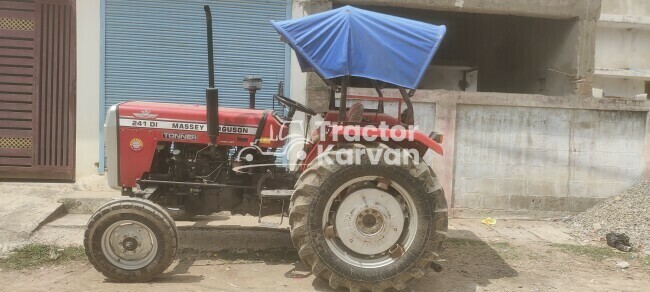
{"type": "Point", "coordinates": [406, 138]}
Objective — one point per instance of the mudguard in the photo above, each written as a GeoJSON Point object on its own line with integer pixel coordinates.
{"type": "Point", "coordinates": [406, 138]}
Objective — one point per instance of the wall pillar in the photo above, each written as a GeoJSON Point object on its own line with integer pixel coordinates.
{"type": "Point", "coordinates": [317, 91]}
{"type": "Point", "coordinates": [646, 153]}
{"type": "Point", "coordinates": [88, 82]}
{"type": "Point", "coordinates": [445, 123]}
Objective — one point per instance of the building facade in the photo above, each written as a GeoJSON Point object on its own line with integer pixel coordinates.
{"type": "Point", "coordinates": [156, 51]}
{"type": "Point", "coordinates": [37, 89]}
{"type": "Point", "coordinates": [511, 87]}
{"type": "Point", "coordinates": [530, 140]}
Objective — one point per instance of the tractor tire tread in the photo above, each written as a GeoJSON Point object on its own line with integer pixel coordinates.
{"type": "Point", "coordinates": [146, 209]}
{"type": "Point", "coordinates": [307, 188]}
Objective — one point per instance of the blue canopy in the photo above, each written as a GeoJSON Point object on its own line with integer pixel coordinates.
{"type": "Point", "coordinates": [357, 42]}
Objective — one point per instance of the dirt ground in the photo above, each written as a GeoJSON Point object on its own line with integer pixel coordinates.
{"type": "Point", "coordinates": [470, 265]}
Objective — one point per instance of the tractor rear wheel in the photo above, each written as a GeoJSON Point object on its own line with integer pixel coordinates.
{"type": "Point", "coordinates": [371, 225]}
{"type": "Point", "coordinates": [131, 240]}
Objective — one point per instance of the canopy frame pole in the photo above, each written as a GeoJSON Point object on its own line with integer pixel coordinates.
{"type": "Point", "coordinates": [333, 90]}
{"type": "Point", "coordinates": [409, 118]}
{"type": "Point", "coordinates": [344, 97]}
{"type": "Point", "coordinates": [380, 104]}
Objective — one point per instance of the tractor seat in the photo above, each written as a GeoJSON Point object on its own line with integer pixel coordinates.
{"type": "Point", "coordinates": [354, 115]}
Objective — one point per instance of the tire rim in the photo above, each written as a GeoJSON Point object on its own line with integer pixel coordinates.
{"type": "Point", "coordinates": [129, 244]}
{"type": "Point", "coordinates": [371, 215]}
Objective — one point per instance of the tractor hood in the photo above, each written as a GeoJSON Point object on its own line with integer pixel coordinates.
{"type": "Point", "coordinates": [356, 42]}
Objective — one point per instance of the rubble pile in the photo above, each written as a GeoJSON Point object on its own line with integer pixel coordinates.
{"type": "Point", "coordinates": [627, 212]}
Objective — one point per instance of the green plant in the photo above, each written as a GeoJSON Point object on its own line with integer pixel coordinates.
{"type": "Point", "coordinates": [34, 255]}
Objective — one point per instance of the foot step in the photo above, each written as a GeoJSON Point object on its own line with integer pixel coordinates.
{"type": "Point", "coordinates": [281, 195]}
{"type": "Point", "coordinates": [277, 194]}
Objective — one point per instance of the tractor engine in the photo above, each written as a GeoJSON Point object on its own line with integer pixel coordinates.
{"type": "Point", "coordinates": [162, 152]}
{"type": "Point", "coordinates": [235, 172]}
{"type": "Point", "coordinates": [186, 162]}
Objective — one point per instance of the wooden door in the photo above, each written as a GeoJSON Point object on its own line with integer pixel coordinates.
{"type": "Point", "coordinates": [37, 89]}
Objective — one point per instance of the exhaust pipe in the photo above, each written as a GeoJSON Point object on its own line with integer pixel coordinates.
{"type": "Point", "coordinates": [211, 93]}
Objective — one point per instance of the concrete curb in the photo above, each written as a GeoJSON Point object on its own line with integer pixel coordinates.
{"type": "Point", "coordinates": [210, 233]}
{"type": "Point", "coordinates": [82, 202]}
{"type": "Point", "coordinates": [215, 238]}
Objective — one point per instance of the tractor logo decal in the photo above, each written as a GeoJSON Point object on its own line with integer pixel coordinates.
{"type": "Point", "coordinates": [145, 114]}
{"type": "Point", "coordinates": [180, 136]}
{"type": "Point", "coordinates": [136, 144]}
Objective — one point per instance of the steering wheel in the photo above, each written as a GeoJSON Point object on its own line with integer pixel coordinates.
{"type": "Point", "coordinates": [293, 105]}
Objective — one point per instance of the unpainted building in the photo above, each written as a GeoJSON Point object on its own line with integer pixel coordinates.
{"type": "Point", "coordinates": [511, 90]}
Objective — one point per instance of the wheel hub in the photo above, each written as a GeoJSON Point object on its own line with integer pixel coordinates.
{"type": "Point", "coordinates": [129, 244]}
{"type": "Point", "coordinates": [369, 221]}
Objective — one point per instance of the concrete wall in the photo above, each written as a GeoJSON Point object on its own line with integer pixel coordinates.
{"type": "Point", "coordinates": [534, 8]}
{"type": "Point", "coordinates": [626, 7]}
{"type": "Point", "coordinates": [620, 87]}
{"type": "Point", "coordinates": [550, 159]}
{"type": "Point", "coordinates": [622, 58]}
{"type": "Point", "coordinates": [623, 48]}
{"type": "Point", "coordinates": [533, 155]}
{"type": "Point", "coordinates": [88, 49]}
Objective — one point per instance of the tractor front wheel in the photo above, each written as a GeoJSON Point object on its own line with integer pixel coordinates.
{"type": "Point", "coordinates": [131, 240]}
{"type": "Point", "coordinates": [368, 225]}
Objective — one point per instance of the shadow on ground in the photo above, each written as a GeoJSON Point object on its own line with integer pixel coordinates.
{"type": "Point", "coordinates": [468, 263]}
{"type": "Point", "coordinates": [236, 249]}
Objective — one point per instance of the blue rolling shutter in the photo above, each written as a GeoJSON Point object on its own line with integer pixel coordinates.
{"type": "Point", "coordinates": [156, 50]}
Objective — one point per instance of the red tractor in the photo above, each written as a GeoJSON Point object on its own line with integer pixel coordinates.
{"type": "Point", "coordinates": [365, 212]}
